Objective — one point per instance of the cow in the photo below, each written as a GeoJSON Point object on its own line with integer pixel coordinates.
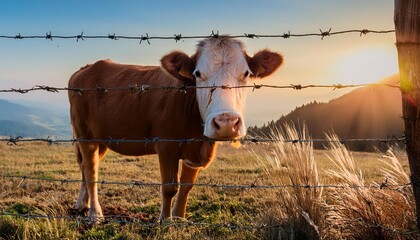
{"type": "Point", "coordinates": [200, 112]}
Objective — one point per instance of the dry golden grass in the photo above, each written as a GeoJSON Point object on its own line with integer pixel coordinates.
{"type": "Point", "coordinates": [368, 211]}
{"type": "Point", "coordinates": [362, 209]}
{"type": "Point", "coordinates": [296, 211]}
{"type": "Point", "coordinates": [291, 212]}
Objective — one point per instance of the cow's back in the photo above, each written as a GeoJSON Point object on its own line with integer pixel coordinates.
{"type": "Point", "coordinates": [130, 113]}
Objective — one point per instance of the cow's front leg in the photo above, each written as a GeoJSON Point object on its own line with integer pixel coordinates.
{"type": "Point", "coordinates": [82, 203]}
{"type": "Point", "coordinates": [188, 177]}
{"type": "Point", "coordinates": [169, 179]}
{"type": "Point", "coordinates": [90, 163]}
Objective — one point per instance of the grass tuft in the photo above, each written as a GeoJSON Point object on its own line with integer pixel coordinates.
{"type": "Point", "coordinates": [296, 212]}
{"type": "Point", "coordinates": [370, 211]}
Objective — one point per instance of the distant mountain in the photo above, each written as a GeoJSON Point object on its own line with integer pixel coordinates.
{"type": "Point", "coordinates": [367, 112]}
{"type": "Point", "coordinates": [19, 120]}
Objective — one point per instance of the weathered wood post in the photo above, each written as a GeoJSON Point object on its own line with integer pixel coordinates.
{"type": "Point", "coordinates": [407, 30]}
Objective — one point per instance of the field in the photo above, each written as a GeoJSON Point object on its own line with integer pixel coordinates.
{"type": "Point", "coordinates": [383, 209]}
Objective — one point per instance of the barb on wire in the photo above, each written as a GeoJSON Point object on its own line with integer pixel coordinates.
{"type": "Point", "coordinates": [183, 88]}
{"type": "Point", "coordinates": [215, 35]}
{"type": "Point", "coordinates": [48, 36]}
{"type": "Point", "coordinates": [325, 34]}
{"type": "Point", "coordinates": [364, 32]}
{"type": "Point", "coordinates": [251, 35]}
{"type": "Point", "coordinates": [47, 88]}
{"type": "Point", "coordinates": [145, 38]}
{"type": "Point", "coordinates": [296, 87]}
{"type": "Point", "coordinates": [178, 37]}
{"type": "Point", "coordinates": [286, 35]}
{"type": "Point", "coordinates": [112, 36]}
{"type": "Point", "coordinates": [13, 141]}
{"type": "Point", "coordinates": [80, 36]}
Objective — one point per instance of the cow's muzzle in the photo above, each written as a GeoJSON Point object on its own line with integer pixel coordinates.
{"type": "Point", "coordinates": [226, 125]}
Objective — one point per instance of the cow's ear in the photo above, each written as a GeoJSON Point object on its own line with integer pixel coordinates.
{"type": "Point", "coordinates": [179, 65]}
{"type": "Point", "coordinates": [264, 63]}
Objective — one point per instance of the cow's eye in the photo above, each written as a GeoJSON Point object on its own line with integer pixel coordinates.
{"type": "Point", "coordinates": [245, 75]}
{"type": "Point", "coordinates": [197, 74]}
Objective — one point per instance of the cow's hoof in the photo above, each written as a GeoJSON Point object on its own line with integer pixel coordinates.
{"type": "Point", "coordinates": [95, 217]}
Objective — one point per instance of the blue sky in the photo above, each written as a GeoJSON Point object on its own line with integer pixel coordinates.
{"type": "Point", "coordinates": [25, 63]}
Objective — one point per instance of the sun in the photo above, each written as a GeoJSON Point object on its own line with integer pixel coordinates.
{"type": "Point", "coordinates": [366, 65]}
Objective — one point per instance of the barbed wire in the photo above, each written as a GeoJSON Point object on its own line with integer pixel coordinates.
{"type": "Point", "coordinates": [183, 88]}
{"type": "Point", "coordinates": [126, 219]}
{"type": "Point", "coordinates": [110, 141]}
{"type": "Point", "coordinates": [131, 220]}
{"type": "Point", "coordinates": [121, 219]}
{"type": "Point", "coordinates": [178, 37]}
{"type": "Point", "coordinates": [254, 185]}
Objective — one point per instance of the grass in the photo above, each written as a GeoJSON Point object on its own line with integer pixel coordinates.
{"type": "Point", "coordinates": [300, 213]}
{"type": "Point", "coordinates": [286, 213]}
{"type": "Point", "coordinates": [360, 212]}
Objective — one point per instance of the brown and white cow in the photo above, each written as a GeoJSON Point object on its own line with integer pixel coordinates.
{"type": "Point", "coordinates": [163, 114]}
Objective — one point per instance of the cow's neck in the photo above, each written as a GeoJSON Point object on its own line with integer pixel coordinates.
{"type": "Point", "coordinates": [195, 128]}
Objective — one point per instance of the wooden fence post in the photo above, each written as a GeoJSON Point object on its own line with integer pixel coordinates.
{"type": "Point", "coordinates": [407, 30]}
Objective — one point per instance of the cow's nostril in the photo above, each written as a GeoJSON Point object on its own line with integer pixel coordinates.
{"type": "Point", "coordinates": [216, 125]}
{"type": "Point", "coordinates": [237, 124]}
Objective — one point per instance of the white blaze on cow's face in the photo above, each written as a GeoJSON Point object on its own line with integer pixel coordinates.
{"type": "Point", "coordinates": [222, 62]}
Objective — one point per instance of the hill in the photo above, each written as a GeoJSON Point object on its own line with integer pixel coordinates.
{"type": "Point", "coordinates": [20, 120]}
{"type": "Point", "coordinates": [367, 112]}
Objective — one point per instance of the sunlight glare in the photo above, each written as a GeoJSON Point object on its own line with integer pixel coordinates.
{"type": "Point", "coordinates": [366, 65]}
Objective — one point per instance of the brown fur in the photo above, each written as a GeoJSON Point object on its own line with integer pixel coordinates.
{"type": "Point", "coordinates": [125, 115]}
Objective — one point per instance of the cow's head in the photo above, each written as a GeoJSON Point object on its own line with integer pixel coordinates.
{"type": "Point", "coordinates": [221, 62]}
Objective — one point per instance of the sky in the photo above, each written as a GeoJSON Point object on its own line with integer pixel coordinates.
{"type": "Point", "coordinates": [340, 59]}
